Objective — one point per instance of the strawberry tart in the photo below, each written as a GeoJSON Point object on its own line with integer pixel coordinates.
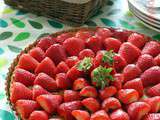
{"type": "Point", "coordinates": [87, 74]}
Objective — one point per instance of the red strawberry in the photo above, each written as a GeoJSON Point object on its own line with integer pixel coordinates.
{"type": "Point", "coordinates": [46, 66]}
{"type": "Point", "coordinates": [49, 103]}
{"type": "Point", "coordinates": [70, 95]}
{"type": "Point", "coordinates": [73, 45]}
{"type": "Point", "coordinates": [81, 115]}
{"type": "Point", "coordinates": [62, 67]}
{"type": "Point", "coordinates": [84, 34]}
{"type": "Point", "coordinates": [37, 91]}
{"type": "Point", "coordinates": [138, 110]}
{"type": "Point", "coordinates": [130, 72]}
{"type": "Point", "coordinates": [112, 44]}
{"type": "Point", "coordinates": [119, 115]}
{"type": "Point", "coordinates": [61, 38]}
{"type": "Point", "coordinates": [128, 96]}
{"type": "Point", "coordinates": [145, 61]}
{"type": "Point", "coordinates": [118, 80]}
{"type": "Point", "coordinates": [62, 81]}
{"type": "Point", "coordinates": [91, 104]}
{"type": "Point", "coordinates": [79, 84]}
{"type": "Point", "coordinates": [137, 40]}
{"type": "Point", "coordinates": [157, 60]}
{"type": "Point", "coordinates": [107, 92]}
{"type": "Point", "coordinates": [65, 109]}
{"type": "Point", "coordinates": [26, 107]}
{"type": "Point", "coordinates": [94, 43]}
{"type": "Point", "coordinates": [71, 61]}
{"type": "Point", "coordinates": [152, 48]}
{"type": "Point", "coordinates": [100, 115]}
{"type": "Point", "coordinates": [119, 62]}
{"type": "Point", "coordinates": [154, 91]}
{"type": "Point", "coordinates": [111, 103]}
{"type": "Point", "coordinates": [38, 115]}
{"type": "Point", "coordinates": [135, 84]}
{"type": "Point", "coordinates": [45, 42]}
{"type": "Point", "coordinates": [19, 91]}
{"type": "Point", "coordinates": [88, 91]}
{"type": "Point", "coordinates": [46, 82]}
{"type": "Point", "coordinates": [86, 53]}
{"type": "Point", "coordinates": [129, 52]}
{"type": "Point", "coordinates": [151, 76]}
{"type": "Point", "coordinates": [37, 53]}
{"type": "Point", "coordinates": [152, 116]}
{"type": "Point", "coordinates": [27, 62]}
{"type": "Point", "coordinates": [154, 102]}
{"type": "Point", "coordinates": [24, 77]}
{"type": "Point", "coordinates": [55, 119]}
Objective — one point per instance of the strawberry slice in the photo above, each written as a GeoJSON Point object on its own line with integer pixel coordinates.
{"type": "Point", "coordinates": [59, 53]}
{"type": "Point", "coordinates": [80, 83]}
{"type": "Point", "coordinates": [24, 77]}
{"type": "Point", "coordinates": [118, 80]}
{"type": "Point", "coordinates": [62, 67]}
{"type": "Point", "coordinates": [27, 62]}
{"type": "Point", "coordinates": [119, 115]}
{"type": "Point", "coordinates": [46, 66]}
{"type": "Point", "coordinates": [37, 53]}
{"type": "Point", "coordinates": [128, 96]}
{"type": "Point", "coordinates": [37, 90]}
{"type": "Point", "coordinates": [65, 109]}
{"type": "Point", "coordinates": [129, 52]}
{"type": "Point", "coordinates": [26, 107]}
{"type": "Point", "coordinates": [88, 91]}
{"type": "Point", "coordinates": [19, 91]}
{"type": "Point", "coordinates": [86, 53]}
{"type": "Point", "coordinates": [71, 61]}
{"type": "Point", "coordinates": [81, 115]}
{"type": "Point", "coordinates": [154, 91]}
{"type": "Point", "coordinates": [152, 116]}
{"type": "Point", "coordinates": [61, 38]}
{"type": "Point", "coordinates": [100, 115]}
{"type": "Point", "coordinates": [138, 110]}
{"type": "Point", "coordinates": [38, 115]}
{"type": "Point", "coordinates": [111, 103]}
{"type": "Point", "coordinates": [70, 95]}
{"type": "Point", "coordinates": [135, 84]}
{"type": "Point", "coordinates": [46, 82]}
{"type": "Point", "coordinates": [49, 103]}
{"type": "Point", "coordinates": [91, 104]}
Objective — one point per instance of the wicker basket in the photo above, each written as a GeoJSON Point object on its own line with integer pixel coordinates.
{"type": "Point", "coordinates": [73, 12]}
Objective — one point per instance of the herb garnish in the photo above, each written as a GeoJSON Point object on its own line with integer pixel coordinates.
{"type": "Point", "coordinates": [108, 57]}
{"type": "Point", "coordinates": [85, 64]}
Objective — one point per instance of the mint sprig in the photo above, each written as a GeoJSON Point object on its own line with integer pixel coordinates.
{"type": "Point", "coordinates": [85, 64]}
{"type": "Point", "coordinates": [108, 57]}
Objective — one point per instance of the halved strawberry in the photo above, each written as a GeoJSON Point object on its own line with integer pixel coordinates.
{"type": "Point", "coordinates": [152, 48]}
{"type": "Point", "coordinates": [111, 103]}
{"type": "Point", "coordinates": [37, 90]}
{"type": "Point", "coordinates": [151, 76]}
{"type": "Point", "coordinates": [65, 109]}
{"type": "Point", "coordinates": [128, 96]}
{"type": "Point", "coordinates": [27, 62]}
{"type": "Point", "coordinates": [112, 44]}
{"type": "Point", "coordinates": [47, 66]}
{"type": "Point", "coordinates": [118, 81]}
{"type": "Point", "coordinates": [91, 104]}
{"type": "Point", "coordinates": [23, 76]}
{"type": "Point", "coordinates": [100, 115]}
{"type": "Point", "coordinates": [135, 84]}
{"type": "Point", "coordinates": [107, 92]}
{"type": "Point", "coordinates": [62, 67]}
{"type": "Point", "coordinates": [38, 115]}
{"type": "Point", "coordinates": [152, 116]}
{"type": "Point", "coordinates": [138, 110]}
{"type": "Point", "coordinates": [46, 82]}
{"type": "Point", "coordinates": [59, 53]}
{"type": "Point", "coordinates": [70, 95]}
{"type": "Point", "coordinates": [129, 52]}
{"type": "Point", "coordinates": [49, 103]}
{"type": "Point", "coordinates": [81, 115]}
{"type": "Point", "coordinates": [71, 61]}
{"type": "Point", "coordinates": [130, 72]}
{"type": "Point", "coordinates": [19, 91]}
{"type": "Point", "coordinates": [88, 91]}
{"type": "Point", "coordinates": [84, 34]}
{"type": "Point", "coordinates": [154, 91]}
{"type": "Point", "coordinates": [61, 38]}
{"type": "Point", "coordinates": [26, 107]}
{"type": "Point", "coordinates": [80, 83]}
{"type": "Point", "coordinates": [37, 53]}
{"type": "Point", "coordinates": [119, 115]}
{"type": "Point", "coordinates": [73, 45]}
{"type": "Point", "coordinates": [86, 53]}
{"type": "Point", "coordinates": [157, 60]}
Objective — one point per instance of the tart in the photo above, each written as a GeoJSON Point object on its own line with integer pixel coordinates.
{"type": "Point", "coordinates": [87, 74]}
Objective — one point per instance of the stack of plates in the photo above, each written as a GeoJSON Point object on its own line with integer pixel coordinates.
{"type": "Point", "coordinates": [148, 11]}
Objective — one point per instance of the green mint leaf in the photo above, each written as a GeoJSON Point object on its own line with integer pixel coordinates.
{"type": "Point", "coordinates": [85, 64]}
{"type": "Point", "coordinates": [108, 57]}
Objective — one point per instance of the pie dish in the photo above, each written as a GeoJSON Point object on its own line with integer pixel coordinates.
{"type": "Point", "coordinates": [87, 74]}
